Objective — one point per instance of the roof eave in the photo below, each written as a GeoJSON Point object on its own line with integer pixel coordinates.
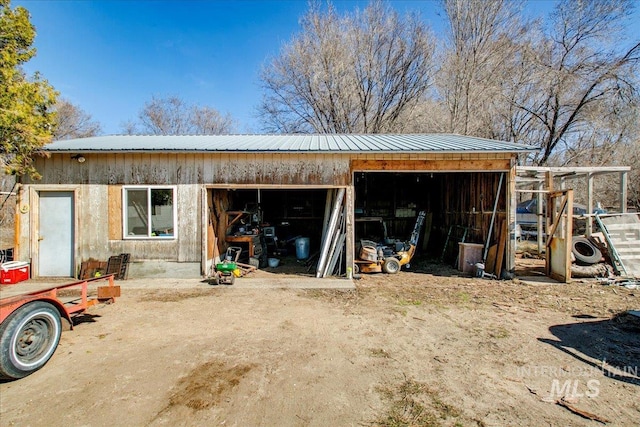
{"type": "Point", "coordinates": [192, 151]}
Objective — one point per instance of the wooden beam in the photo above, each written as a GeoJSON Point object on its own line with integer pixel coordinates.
{"type": "Point", "coordinates": [578, 169]}
{"type": "Point", "coordinates": [432, 165]}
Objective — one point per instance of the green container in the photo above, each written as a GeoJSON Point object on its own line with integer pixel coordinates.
{"type": "Point", "coordinates": [226, 267]}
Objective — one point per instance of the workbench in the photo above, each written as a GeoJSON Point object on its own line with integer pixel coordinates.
{"type": "Point", "coordinates": [253, 241]}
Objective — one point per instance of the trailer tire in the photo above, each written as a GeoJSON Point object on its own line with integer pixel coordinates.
{"type": "Point", "coordinates": [28, 338]}
{"type": "Point", "coordinates": [391, 266]}
{"type": "Point", "coordinates": [586, 253]}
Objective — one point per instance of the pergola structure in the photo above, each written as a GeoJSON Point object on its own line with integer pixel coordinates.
{"type": "Point", "coordinates": [541, 180]}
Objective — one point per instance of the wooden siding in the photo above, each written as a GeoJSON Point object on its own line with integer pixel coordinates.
{"type": "Point", "coordinates": [100, 179]}
{"type": "Point", "coordinates": [197, 168]}
{"type": "Point", "coordinates": [453, 164]}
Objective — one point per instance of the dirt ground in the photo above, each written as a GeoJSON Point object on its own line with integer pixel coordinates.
{"type": "Point", "coordinates": [422, 348]}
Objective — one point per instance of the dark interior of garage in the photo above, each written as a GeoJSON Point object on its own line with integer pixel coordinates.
{"type": "Point", "coordinates": [279, 217]}
{"type": "Point", "coordinates": [458, 206]}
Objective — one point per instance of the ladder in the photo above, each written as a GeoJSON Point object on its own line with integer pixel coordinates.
{"type": "Point", "coordinates": [415, 234]}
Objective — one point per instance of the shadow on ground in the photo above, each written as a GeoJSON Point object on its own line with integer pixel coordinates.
{"type": "Point", "coordinates": [611, 345]}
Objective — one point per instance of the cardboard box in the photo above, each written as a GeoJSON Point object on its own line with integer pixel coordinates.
{"type": "Point", "coordinates": [14, 272]}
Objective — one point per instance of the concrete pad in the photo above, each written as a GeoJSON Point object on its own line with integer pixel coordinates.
{"type": "Point", "coordinates": [257, 283]}
{"type": "Point", "coordinates": [240, 283]}
{"type": "Point", "coordinates": [538, 280]}
{"type": "Point", "coordinates": [293, 283]}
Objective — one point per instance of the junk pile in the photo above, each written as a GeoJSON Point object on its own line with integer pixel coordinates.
{"type": "Point", "coordinates": [118, 265]}
{"type": "Point", "coordinates": [613, 255]}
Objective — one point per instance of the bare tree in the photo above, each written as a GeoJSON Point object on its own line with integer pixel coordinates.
{"type": "Point", "coordinates": [483, 36]}
{"type": "Point", "coordinates": [173, 116]}
{"type": "Point", "coordinates": [359, 73]}
{"type": "Point", "coordinates": [73, 122]}
{"type": "Point", "coordinates": [209, 121]}
{"type": "Point", "coordinates": [577, 71]}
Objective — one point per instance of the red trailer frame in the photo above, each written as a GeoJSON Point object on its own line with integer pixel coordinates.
{"type": "Point", "coordinates": [30, 323]}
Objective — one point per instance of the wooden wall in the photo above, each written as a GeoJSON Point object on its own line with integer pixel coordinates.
{"type": "Point", "coordinates": [100, 178]}
{"type": "Point", "coordinates": [197, 168]}
{"type": "Point", "coordinates": [99, 181]}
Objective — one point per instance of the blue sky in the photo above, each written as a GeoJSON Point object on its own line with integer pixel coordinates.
{"type": "Point", "coordinates": [111, 56]}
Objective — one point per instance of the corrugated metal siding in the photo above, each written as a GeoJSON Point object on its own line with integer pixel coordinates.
{"type": "Point", "coordinates": [413, 143]}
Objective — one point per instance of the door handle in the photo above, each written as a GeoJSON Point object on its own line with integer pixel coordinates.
{"type": "Point", "coordinates": [40, 238]}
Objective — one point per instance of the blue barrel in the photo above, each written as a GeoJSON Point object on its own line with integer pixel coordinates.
{"type": "Point", "coordinates": [302, 247]}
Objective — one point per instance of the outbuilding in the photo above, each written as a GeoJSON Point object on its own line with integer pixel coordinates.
{"type": "Point", "coordinates": [172, 202]}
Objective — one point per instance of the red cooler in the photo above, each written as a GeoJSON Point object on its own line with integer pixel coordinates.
{"type": "Point", "coordinates": [14, 272]}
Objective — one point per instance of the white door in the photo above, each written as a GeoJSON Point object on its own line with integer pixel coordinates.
{"type": "Point", "coordinates": [55, 234]}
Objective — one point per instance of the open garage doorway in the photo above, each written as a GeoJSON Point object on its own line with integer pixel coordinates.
{"type": "Point", "coordinates": [459, 207]}
{"type": "Point", "coordinates": [276, 230]}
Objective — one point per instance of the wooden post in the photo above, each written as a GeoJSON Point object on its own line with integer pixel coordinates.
{"type": "Point", "coordinates": [16, 224]}
{"type": "Point", "coordinates": [589, 204]}
{"type": "Point", "coordinates": [207, 227]}
{"type": "Point", "coordinates": [548, 183]}
{"type": "Point", "coordinates": [539, 218]}
{"type": "Point", "coordinates": [510, 217]}
{"type": "Point", "coordinates": [502, 240]}
{"type": "Point", "coordinates": [350, 230]}
{"type": "Point", "coordinates": [623, 192]}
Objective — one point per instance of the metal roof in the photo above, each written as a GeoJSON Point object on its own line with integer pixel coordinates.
{"type": "Point", "coordinates": [325, 143]}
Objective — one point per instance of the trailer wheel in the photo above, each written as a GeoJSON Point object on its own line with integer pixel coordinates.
{"type": "Point", "coordinates": [28, 339]}
{"type": "Point", "coordinates": [391, 266]}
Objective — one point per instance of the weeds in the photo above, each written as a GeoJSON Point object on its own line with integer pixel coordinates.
{"type": "Point", "coordinates": [379, 352]}
{"type": "Point", "coordinates": [404, 302]}
{"type": "Point", "coordinates": [499, 333]}
{"type": "Point", "coordinates": [414, 404]}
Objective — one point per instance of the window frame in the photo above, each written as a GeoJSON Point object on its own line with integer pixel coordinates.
{"type": "Point", "coordinates": [148, 188]}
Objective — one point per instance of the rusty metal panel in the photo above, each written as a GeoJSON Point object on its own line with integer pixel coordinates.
{"type": "Point", "coordinates": [108, 292]}
{"type": "Point", "coordinates": [560, 218]}
{"type": "Point", "coordinates": [557, 256]}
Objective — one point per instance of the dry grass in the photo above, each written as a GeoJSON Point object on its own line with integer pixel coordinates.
{"type": "Point", "coordinates": [414, 404]}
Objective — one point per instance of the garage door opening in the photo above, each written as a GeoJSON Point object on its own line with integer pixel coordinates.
{"type": "Point", "coordinates": [277, 230]}
{"type": "Point", "coordinates": [458, 206]}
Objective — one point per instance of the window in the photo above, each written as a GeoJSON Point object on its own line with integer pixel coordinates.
{"type": "Point", "coordinates": [149, 212]}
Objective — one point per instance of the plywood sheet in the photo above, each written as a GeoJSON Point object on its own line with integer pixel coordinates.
{"type": "Point", "coordinates": [115, 212]}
